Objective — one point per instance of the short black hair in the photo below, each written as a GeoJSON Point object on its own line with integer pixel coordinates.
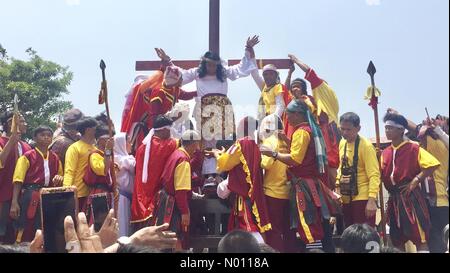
{"type": "Point", "coordinates": [102, 118]}
{"type": "Point", "coordinates": [396, 118]}
{"type": "Point", "coordinates": [238, 241]}
{"type": "Point", "coordinates": [101, 130]}
{"type": "Point", "coordinates": [350, 117]}
{"type": "Point", "coordinates": [40, 129]}
{"type": "Point", "coordinates": [87, 122]}
{"type": "Point", "coordinates": [4, 117]}
{"type": "Point", "coordinates": [356, 238]}
{"type": "Point", "coordinates": [220, 70]}
{"type": "Point", "coordinates": [303, 85]}
{"type": "Point", "coordinates": [161, 121]}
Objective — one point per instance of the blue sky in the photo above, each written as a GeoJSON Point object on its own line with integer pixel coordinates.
{"type": "Point", "coordinates": [408, 40]}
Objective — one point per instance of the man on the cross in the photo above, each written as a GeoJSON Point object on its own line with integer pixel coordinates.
{"type": "Point", "coordinates": [213, 107]}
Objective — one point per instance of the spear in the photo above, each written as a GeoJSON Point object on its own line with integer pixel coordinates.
{"type": "Point", "coordinates": [14, 125]}
{"type": "Point", "coordinates": [103, 99]}
{"type": "Point", "coordinates": [371, 70]}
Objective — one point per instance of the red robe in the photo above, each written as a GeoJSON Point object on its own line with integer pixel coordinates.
{"type": "Point", "coordinates": [244, 198]}
{"type": "Point", "coordinates": [162, 101]}
{"type": "Point", "coordinates": [6, 188]}
{"type": "Point", "coordinates": [140, 103]}
{"type": "Point", "coordinates": [196, 168]}
{"type": "Point", "coordinates": [173, 203]}
{"type": "Point", "coordinates": [144, 193]}
{"type": "Point", "coordinates": [97, 183]}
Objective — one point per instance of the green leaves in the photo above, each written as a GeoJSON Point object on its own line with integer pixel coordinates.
{"type": "Point", "coordinates": [40, 85]}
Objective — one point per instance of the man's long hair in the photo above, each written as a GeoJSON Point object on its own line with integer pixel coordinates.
{"type": "Point", "coordinates": [220, 70]}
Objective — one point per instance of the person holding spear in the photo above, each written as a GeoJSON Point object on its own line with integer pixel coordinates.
{"type": "Point", "coordinates": [11, 148]}
{"type": "Point", "coordinates": [103, 99]}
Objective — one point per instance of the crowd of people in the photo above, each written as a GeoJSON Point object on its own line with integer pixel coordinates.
{"type": "Point", "coordinates": [292, 177]}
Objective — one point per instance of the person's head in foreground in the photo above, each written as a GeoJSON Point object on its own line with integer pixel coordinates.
{"type": "Point", "coordinates": [238, 241]}
{"type": "Point", "coordinates": [360, 238]}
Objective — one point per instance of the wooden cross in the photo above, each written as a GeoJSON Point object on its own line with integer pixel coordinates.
{"type": "Point", "coordinates": [214, 38]}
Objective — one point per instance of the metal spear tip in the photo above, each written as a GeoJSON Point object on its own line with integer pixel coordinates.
{"type": "Point", "coordinates": [371, 69]}
{"type": "Point", "coordinates": [102, 64]}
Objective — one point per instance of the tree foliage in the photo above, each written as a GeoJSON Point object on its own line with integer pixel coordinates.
{"type": "Point", "coordinates": [40, 86]}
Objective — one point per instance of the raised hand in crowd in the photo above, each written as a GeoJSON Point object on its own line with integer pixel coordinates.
{"type": "Point", "coordinates": [215, 152]}
{"type": "Point", "coordinates": [251, 42]}
{"type": "Point", "coordinates": [109, 231]}
{"type": "Point", "coordinates": [298, 62]}
{"type": "Point", "coordinates": [162, 55]}
{"type": "Point", "coordinates": [81, 240]}
{"type": "Point", "coordinates": [37, 245]}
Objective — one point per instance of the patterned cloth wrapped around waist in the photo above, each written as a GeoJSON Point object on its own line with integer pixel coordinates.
{"type": "Point", "coordinates": [308, 195]}
{"type": "Point", "coordinates": [98, 188]}
{"type": "Point", "coordinates": [29, 203]}
{"type": "Point", "coordinates": [406, 209]}
{"type": "Point", "coordinates": [166, 211]}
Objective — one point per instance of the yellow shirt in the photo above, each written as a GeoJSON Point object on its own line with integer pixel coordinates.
{"type": "Point", "coordinates": [438, 149]}
{"type": "Point", "coordinates": [23, 164]}
{"type": "Point", "coordinates": [268, 95]}
{"type": "Point", "coordinates": [275, 177]}
{"type": "Point", "coordinates": [182, 176]}
{"type": "Point", "coordinates": [75, 166]}
{"type": "Point", "coordinates": [97, 164]}
{"type": "Point", "coordinates": [326, 100]}
{"type": "Point", "coordinates": [230, 159]}
{"type": "Point", "coordinates": [368, 172]}
{"type": "Point", "coordinates": [299, 145]}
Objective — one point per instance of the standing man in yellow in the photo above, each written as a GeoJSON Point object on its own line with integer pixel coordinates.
{"type": "Point", "coordinates": [276, 186]}
{"type": "Point", "coordinates": [358, 178]}
{"type": "Point", "coordinates": [77, 157]}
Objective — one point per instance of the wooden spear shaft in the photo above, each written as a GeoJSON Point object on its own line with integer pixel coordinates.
{"type": "Point", "coordinates": [371, 70]}
{"type": "Point", "coordinates": [104, 93]}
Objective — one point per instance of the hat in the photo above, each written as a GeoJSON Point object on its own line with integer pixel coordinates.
{"type": "Point", "coordinates": [297, 106]}
{"type": "Point", "coordinates": [270, 123]}
{"type": "Point", "coordinates": [172, 75]}
{"type": "Point", "coordinates": [269, 67]}
{"type": "Point", "coordinates": [71, 118]}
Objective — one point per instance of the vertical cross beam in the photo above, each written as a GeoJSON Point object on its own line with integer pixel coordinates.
{"type": "Point", "coordinates": [214, 27]}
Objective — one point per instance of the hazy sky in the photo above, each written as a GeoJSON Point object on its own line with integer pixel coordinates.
{"type": "Point", "coordinates": [408, 40]}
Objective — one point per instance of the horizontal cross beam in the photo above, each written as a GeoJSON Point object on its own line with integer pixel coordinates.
{"type": "Point", "coordinates": [155, 65]}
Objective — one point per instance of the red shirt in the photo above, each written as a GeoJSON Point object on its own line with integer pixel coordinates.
{"type": "Point", "coordinates": [7, 172]}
